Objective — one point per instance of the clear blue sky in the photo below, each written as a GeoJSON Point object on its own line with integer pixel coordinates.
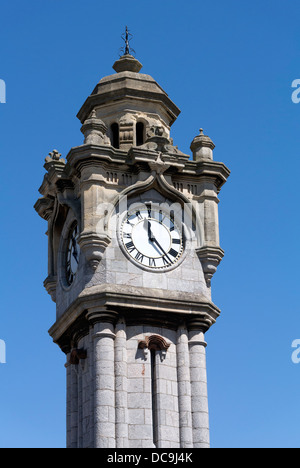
{"type": "Point", "coordinates": [229, 68]}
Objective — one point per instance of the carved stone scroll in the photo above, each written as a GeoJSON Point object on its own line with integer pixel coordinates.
{"type": "Point", "coordinates": [76, 355]}
{"type": "Point", "coordinates": [156, 343]}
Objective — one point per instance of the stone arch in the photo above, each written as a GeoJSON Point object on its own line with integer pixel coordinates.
{"type": "Point", "coordinates": [193, 223]}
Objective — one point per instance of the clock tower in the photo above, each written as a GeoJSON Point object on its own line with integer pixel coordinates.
{"type": "Point", "coordinates": [133, 242]}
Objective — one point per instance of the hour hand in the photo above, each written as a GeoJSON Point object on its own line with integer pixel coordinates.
{"type": "Point", "coordinates": [75, 253]}
{"type": "Point", "coordinates": [150, 234]}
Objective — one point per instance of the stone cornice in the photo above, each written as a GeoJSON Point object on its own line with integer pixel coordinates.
{"type": "Point", "coordinates": [91, 155]}
{"type": "Point", "coordinates": [211, 169]}
{"type": "Point", "coordinates": [136, 304]}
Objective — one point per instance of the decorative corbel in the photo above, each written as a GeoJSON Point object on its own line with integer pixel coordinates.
{"type": "Point", "coordinates": [93, 246]}
{"type": "Point", "coordinates": [210, 258]}
{"type": "Point", "coordinates": [50, 286]}
{"type": "Point", "coordinates": [44, 207]}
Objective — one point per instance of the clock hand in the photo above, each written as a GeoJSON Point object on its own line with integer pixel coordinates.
{"type": "Point", "coordinates": [152, 238]}
{"type": "Point", "coordinates": [75, 256]}
{"type": "Point", "coordinates": [158, 244]}
{"type": "Point", "coordinates": [75, 253]}
{"type": "Point", "coordinates": [150, 234]}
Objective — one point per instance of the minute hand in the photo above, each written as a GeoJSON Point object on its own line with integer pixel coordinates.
{"type": "Point", "coordinates": [158, 244]}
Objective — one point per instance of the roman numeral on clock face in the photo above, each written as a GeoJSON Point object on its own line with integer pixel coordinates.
{"type": "Point", "coordinates": [130, 246]}
{"type": "Point", "coordinates": [151, 237]}
{"type": "Point", "coordinates": [139, 257]}
{"type": "Point", "coordinates": [173, 253]}
{"type": "Point", "coordinates": [161, 217]}
{"type": "Point", "coordinates": [149, 211]}
{"type": "Point", "coordinates": [166, 261]}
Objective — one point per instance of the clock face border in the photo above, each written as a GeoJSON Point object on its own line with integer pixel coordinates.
{"type": "Point", "coordinates": [159, 262]}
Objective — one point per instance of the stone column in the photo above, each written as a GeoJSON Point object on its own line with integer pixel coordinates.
{"type": "Point", "coordinates": [121, 386]}
{"type": "Point", "coordinates": [79, 431]}
{"type": "Point", "coordinates": [197, 346]}
{"type": "Point", "coordinates": [184, 389]}
{"type": "Point", "coordinates": [68, 405]}
{"type": "Point", "coordinates": [104, 381]}
{"type": "Point", "coordinates": [73, 378]}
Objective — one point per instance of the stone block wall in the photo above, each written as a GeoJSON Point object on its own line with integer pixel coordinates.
{"type": "Point", "coordinates": [118, 398]}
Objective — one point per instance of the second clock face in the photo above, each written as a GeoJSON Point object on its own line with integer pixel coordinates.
{"type": "Point", "coordinates": [152, 238]}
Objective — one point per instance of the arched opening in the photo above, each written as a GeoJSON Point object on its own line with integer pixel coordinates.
{"type": "Point", "coordinates": [139, 133]}
{"type": "Point", "coordinates": [115, 135]}
{"type": "Point", "coordinates": [158, 348]}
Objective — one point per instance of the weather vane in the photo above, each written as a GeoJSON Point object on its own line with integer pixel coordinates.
{"type": "Point", "coordinates": [127, 50]}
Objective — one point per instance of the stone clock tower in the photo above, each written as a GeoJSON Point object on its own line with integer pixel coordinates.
{"type": "Point", "coordinates": [133, 244]}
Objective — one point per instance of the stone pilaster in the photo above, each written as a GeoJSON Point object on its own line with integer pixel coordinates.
{"type": "Point", "coordinates": [68, 400]}
{"type": "Point", "coordinates": [200, 419]}
{"type": "Point", "coordinates": [184, 389]}
{"type": "Point", "coordinates": [73, 437]}
{"type": "Point", "coordinates": [121, 386]}
{"type": "Point", "coordinates": [104, 382]}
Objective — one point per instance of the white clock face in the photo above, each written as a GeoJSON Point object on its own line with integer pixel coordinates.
{"type": "Point", "coordinates": [152, 238]}
{"type": "Point", "coordinates": [73, 254]}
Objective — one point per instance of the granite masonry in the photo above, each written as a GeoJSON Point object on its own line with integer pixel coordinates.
{"type": "Point", "coordinates": [133, 242]}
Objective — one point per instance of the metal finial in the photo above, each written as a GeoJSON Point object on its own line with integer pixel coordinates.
{"type": "Point", "coordinates": [127, 36]}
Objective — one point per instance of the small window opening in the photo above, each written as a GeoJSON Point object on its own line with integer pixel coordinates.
{"type": "Point", "coordinates": [115, 135]}
{"type": "Point", "coordinates": [139, 133]}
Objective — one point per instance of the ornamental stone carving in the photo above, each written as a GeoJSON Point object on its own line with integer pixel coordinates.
{"type": "Point", "coordinates": [54, 156]}
{"type": "Point", "coordinates": [76, 355]}
{"type": "Point", "coordinates": [156, 343]}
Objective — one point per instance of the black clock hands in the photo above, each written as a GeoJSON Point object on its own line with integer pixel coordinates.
{"type": "Point", "coordinates": [152, 238]}
{"type": "Point", "coordinates": [75, 253]}
{"type": "Point", "coordinates": [159, 246]}
{"type": "Point", "coordinates": [150, 234]}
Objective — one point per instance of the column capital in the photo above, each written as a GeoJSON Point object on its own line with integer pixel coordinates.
{"type": "Point", "coordinates": [199, 324]}
{"type": "Point", "coordinates": [101, 314]}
